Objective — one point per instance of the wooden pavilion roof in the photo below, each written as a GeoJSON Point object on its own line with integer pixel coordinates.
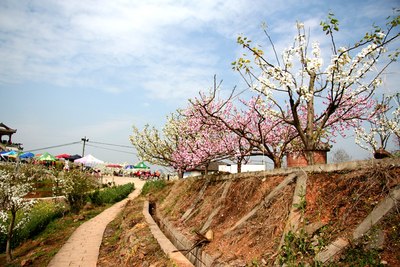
{"type": "Point", "coordinates": [4, 129]}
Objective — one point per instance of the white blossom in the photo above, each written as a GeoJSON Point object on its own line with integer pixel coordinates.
{"type": "Point", "coordinates": [300, 25]}
{"type": "Point", "coordinates": [380, 35]}
{"type": "Point", "coordinates": [13, 187]}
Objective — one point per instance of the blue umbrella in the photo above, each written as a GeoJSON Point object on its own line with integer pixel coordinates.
{"type": "Point", "coordinates": [129, 166]}
{"type": "Point", "coordinates": [27, 155]}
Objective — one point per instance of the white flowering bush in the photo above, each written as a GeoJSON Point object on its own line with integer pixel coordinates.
{"type": "Point", "coordinates": [41, 214]}
{"type": "Point", "coordinates": [13, 187]}
{"type": "Point", "coordinates": [158, 147]}
{"type": "Point", "coordinates": [75, 186]}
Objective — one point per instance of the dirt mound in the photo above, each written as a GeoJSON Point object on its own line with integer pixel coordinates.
{"type": "Point", "coordinates": [332, 206]}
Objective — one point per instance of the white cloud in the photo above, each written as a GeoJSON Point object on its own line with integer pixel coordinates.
{"type": "Point", "coordinates": [113, 90]}
{"type": "Point", "coordinates": [166, 46]}
{"type": "Point", "coordinates": [85, 37]}
{"type": "Point", "coordinates": [164, 51]}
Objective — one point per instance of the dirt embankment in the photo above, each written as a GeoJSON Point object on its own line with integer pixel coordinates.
{"type": "Point", "coordinates": [257, 219]}
{"type": "Point", "coordinates": [127, 241]}
{"type": "Point", "coordinates": [331, 206]}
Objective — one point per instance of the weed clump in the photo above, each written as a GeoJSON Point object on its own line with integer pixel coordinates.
{"type": "Point", "coordinates": [153, 186]}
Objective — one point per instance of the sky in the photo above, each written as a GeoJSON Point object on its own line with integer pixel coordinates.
{"type": "Point", "coordinates": [75, 69]}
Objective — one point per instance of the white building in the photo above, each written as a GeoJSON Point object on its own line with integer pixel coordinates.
{"type": "Point", "coordinates": [245, 168]}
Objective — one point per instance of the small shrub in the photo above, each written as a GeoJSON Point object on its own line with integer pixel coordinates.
{"type": "Point", "coordinates": [302, 205]}
{"type": "Point", "coordinates": [94, 197]}
{"type": "Point", "coordinates": [299, 249]}
{"type": "Point", "coordinates": [153, 186]}
{"type": "Point", "coordinates": [359, 256]}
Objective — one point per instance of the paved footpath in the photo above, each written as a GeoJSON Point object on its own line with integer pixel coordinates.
{"type": "Point", "coordinates": [82, 248]}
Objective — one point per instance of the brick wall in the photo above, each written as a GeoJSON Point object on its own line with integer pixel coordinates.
{"type": "Point", "coordinates": [298, 159]}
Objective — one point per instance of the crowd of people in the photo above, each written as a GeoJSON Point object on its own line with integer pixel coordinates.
{"type": "Point", "coordinates": [142, 174]}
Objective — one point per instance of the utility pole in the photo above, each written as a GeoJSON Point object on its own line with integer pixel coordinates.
{"type": "Point", "coordinates": [84, 143]}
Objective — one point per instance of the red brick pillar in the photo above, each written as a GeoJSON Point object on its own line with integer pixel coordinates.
{"type": "Point", "coordinates": [298, 158]}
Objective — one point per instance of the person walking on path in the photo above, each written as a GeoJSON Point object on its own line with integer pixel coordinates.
{"type": "Point", "coordinates": [82, 248]}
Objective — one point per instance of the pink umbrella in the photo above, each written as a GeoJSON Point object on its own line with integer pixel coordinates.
{"type": "Point", "coordinates": [63, 156]}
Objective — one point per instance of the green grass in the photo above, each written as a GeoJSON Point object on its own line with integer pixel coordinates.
{"type": "Point", "coordinates": [153, 186]}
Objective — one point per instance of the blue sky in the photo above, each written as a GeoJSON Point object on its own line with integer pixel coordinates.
{"type": "Point", "coordinates": [71, 69]}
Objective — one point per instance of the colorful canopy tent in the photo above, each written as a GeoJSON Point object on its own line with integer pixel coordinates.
{"type": "Point", "coordinates": [141, 165]}
{"type": "Point", "coordinates": [73, 157]}
{"type": "Point", "coordinates": [63, 156]}
{"type": "Point", "coordinates": [129, 167]}
{"type": "Point", "coordinates": [9, 153]}
{"type": "Point", "coordinates": [26, 155]}
{"type": "Point", "coordinates": [89, 160]}
{"type": "Point", "coordinates": [46, 157]}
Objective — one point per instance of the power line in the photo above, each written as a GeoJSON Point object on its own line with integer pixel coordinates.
{"type": "Point", "coordinates": [88, 143]}
{"type": "Point", "coordinates": [49, 147]}
{"type": "Point", "coordinates": [127, 152]}
{"type": "Point", "coordinates": [108, 144]}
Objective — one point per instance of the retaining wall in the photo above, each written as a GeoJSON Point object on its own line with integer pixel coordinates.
{"type": "Point", "coordinates": [165, 244]}
{"type": "Point", "coordinates": [196, 256]}
{"type": "Point", "coordinates": [346, 166]}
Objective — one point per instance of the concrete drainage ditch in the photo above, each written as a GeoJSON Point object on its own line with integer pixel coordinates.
{"type": "Point", "coordinates": [180, 249]}
{"type": "Point", "coordinates": [165, 244]}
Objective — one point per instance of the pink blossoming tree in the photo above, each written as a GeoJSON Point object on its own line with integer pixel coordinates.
{"type": "Point", "coordinates": [253, 125]}
{"type": "Point", "coordinates": [215, 139]}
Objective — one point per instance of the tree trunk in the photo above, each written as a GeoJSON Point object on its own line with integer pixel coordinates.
{"type": "Point", "coordinates": [277, 163]}
{"type": "Point", "coordinates": [180, 174]}
{"type": "Point", "coordinates": [309, 154]}
{"type": "Point", "coordinates": [239, 166]}
{"type": "Point", "coordinates": [310, 139]}
{"type": "Point", "coordinates": [206, 169]}
{"type": "Point", "coordinates": [9, 236]}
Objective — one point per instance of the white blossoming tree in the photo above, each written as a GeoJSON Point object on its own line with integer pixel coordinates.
{"type": "Point", "coordinates": [13, 187]}
{"type": "Point", "coordinates": [384, 124]}
{"type": "Point", "coordinates": [320, 102]}
{"type": "Point", "coordinates": [394, 122]}
{"type": "Point", "coordinates": [158, 147]}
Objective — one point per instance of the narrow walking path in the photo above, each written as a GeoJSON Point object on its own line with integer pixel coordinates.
{"type": "Point", "coordinates": [82, 248]}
